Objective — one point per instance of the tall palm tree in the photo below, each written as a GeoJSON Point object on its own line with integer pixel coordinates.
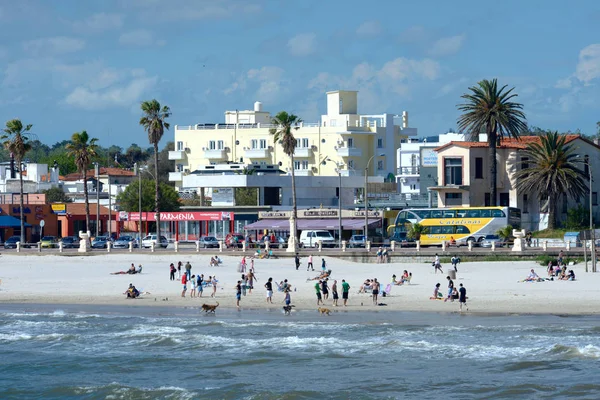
{"type": "Point", "coordinates": [154, 122]}
{"type": "Point", "coordinates": [283, 135]}
{"type": "Point", "coordinates": [491, 110]}
{"type": "Point", "coordinates": [16, 140]}
{"type": "Point", "coordinates": [83, 150]}
{"type": "Point", "coordinates": [553, 170]}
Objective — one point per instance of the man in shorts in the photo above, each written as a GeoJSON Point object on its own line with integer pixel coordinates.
{"type": "Point", "coordinates": [334, 293]}
{"type": "Point", "coordinates": [318, 290]}
{"type": "Point", "coordinates": [269, 287]}
{"type": "Point", "coordinates": [375, 290]}
{"type": "Point", "coordinates": [238, 294]}
{"type": "Point", "coordinates": [345, 291]}
{"type": "Point", "coordinates": [462, 297]}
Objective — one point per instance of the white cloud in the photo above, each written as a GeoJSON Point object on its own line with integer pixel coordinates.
{"type": "Point", "coordinates": [588, 67]}
{"type": "Point", "coordinates": [118, 90]}
{"type": "Point", "coordinates": [302, 45]}
{"type": "Point", "coordinates": [265, 84]}
{"type": "Point", "coordinates": [192, 10]}
{"type": "Point", "coordinates": [451, 87]}
{"type": "Point", "coordinates": [140, 37]}
{"type": "Point", "coordinates": [414, 34]}
{"type": "Point", "coordinates": [369, 29]}
{"type": "Point", "coordinates": [98, 23]}
{"type": "Point", "coordinates": [563, 83]}
{"type": "Point", "coordinates": [53, 46]}
{"type": "Point", "coordinates": [447, 46]}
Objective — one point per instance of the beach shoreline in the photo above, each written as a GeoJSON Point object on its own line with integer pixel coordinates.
{"type": "Point", "coordinates": [492, 287]}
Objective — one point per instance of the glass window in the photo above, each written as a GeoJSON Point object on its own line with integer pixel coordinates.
{"type": "Point", "coordinates": [486, 213]}
{"type": "Point", "coordinates": [498, 214]}
{"type": "Point", "coordinates": [453, 171]}
{"type": "Point", "coordinates": [212, 145]}
{"type": "Point", "coordinates": [478, 168]}
{"type": "Point", "coordinates": [436, 213]}
{"type": "Point", "coordinates": [263, 143]}
{"type": "Point", "coordinates": [461, 213]}
{"type": "Point", "coordinates": [220, 145]}
{"type": "Point", "coordinates": [305, 143]}
{"type": "Point", "coordinates": [448, 213]}
{"type": "Point", "coordinates": [179, 146]}
{"type": "Point", "coordinates": [435, 230]}
{"type": "Point", "coordinates": [380, 143]}
{"type": "Point", "coordinates": [423, 214]}
{"type": "Point", "coordinates": [254, 144]}
{"type": "Point", "coordinates": [448, 229]}
{"type": "Point", "coordinates": [350, 142]}
{"type": "Point", "coordinates": [380, 165]}
{"type": "Point", "coordinates": [462, 229]}
{"type": "Point", "coordinates": [304, 164]}
{"type": "Point", "coordinates": [296, 165]}
{"type": "Point", "coordinates": [524, 163]}
{"type": "Point", "coordinates": [525, 204]}
{"type": "Point", "coordinates": [473, 214]}
{"type": "Point", "coordinates": [351, 164]}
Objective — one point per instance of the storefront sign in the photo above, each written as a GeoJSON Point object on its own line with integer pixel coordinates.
{"type": "Point", "coordinates": [60, 209]}
{"type": "Point", "coordinates": [274, 214]}
{"type": "Point", "coordinates": [179, 216]}
{"type": "Point", "coordinates": [318, 213]}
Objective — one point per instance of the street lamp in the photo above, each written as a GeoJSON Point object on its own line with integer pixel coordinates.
{"type": "Point", "coordinates": [97, 174]}
{"type": "Point", "coordinates": [339, 171]}
{"type": "Point", "coordinates": [592, 232]}
{"type": "Point", "coordinates": [138, 171]}
{"type": "Point", "coordinates": [366, 200]}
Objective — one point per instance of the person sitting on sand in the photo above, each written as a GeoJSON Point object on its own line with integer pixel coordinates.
{"type": "Point", "coordinates": [218, 260]}
{"type": "Point", "coordinates": [367, 285]}
{"type": "Point", "coordinates": [323, 275]}
{"type": "Point", "coordinates": [132, 292]}
{"type": "Point", "coordinates": [130, 271]}
{"type": "Point", "coordinates": [139, 269]}
{"type": "Point", "coordinates": [571, 275]}
{"type": "Point", "coordinates": [213, 262]}
{"type": "Point", "coordinates": [437, 295]}
{"type": "Point", "coordinates": [533, 277]}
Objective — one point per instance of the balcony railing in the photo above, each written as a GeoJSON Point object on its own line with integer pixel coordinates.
{"type": "Point", "coordinates": [349, 152]}
{"type": "Point", "coordinates": [176, 154]}
{"type": "Point", "coordinates": [256, 153]}
{"type": "Point", "coordinates": [303, 152]}
{"type": "Point", "coordinates": [407, 171]}
{"type": "Point", "coordinates": [303, 172]}
{"type": "Point", "coordinates": [175, 176]}
{"type": "Point", "coordinates": [215, 154]}
{"type": "Point", "coordinates": [363, 124]}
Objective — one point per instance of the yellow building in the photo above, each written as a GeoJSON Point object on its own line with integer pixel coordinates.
{"type": "Point", "coordinates": [348, 139]}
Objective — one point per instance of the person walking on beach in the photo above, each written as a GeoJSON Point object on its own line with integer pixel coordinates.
{"type": "Point", "coordinates": [238, 293]}
{"type": "Point", "coordinates": [375, 290]}
{"type": "Point", "coordinates": [310, 263]}
{"type": "Point", "coordinates": [297, 260]}
{"type": "Point", "coordinates": [462, 297]}
{"type": "Point", "coordinates": [288, 296]}
{"type": "Point", "coordinates": [450, 289]}
{"type": "Point", "coordinates": [436, 264]}
{"type": "Point", "coordinates": [323, 265]}
{"type": "Point", "coordinates": [269, 287]}
{"type": "Point", "coordinates": [172, 271]}
{"type": "Point", "coordinates": [194, 286]}
{"type": "Point", "coordinates": [184, 283]}
{"type": "Point", "coordinates": [318, 290]}
{"type": "Point", "coordinates": [179, 264]}
{"type": "Point", "coordinates": [188, 269]}
{"type": "Point", "coordinates": [455, 261]}
{"type": "Point", "coordinates": [345, 291]}
{"type": "Point", "coordinates": [200, 284]}
{"type": "Point", "coordinates": [334, 293]}
{"type": "Point", "coordinates": [214, 285]}
{"type": "Point", "coordinates": [250, 276]}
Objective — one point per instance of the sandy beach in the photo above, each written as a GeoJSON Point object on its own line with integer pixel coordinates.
{"type": "Point", "coordinates": [492, 287]}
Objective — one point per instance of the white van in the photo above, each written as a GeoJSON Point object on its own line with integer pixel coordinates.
{"type": "Point", "coordinates": [311, 239]}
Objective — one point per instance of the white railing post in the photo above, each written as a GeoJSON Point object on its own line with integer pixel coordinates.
{"type": "Point", "coordinates": [568, 246]}
{"type": "Point", "coordinates": [493, 246]}
{"type": "Point", "coordinates": [418, 242]}
{"type": "Point", "coordinates": [343, 245]}
{"type": "Point", "coordinates": [320, 244]}
{"type": "Point", "coordinates": [368, 245]}
{"type": "Point", "coordinates": [152, 246]}
{"type": "Point", "coordinates": [60, 247]}
{"type": "Point", "coordinates": [470, 245]}
{"type": "Point", "coordinates": [39, 247]}
{"type": "Point", "coordinates": [244, 246]}
{"type": "Point", "coordinates": [197, 246]}
{"type": "Point", "coordinates": [220, 246]}
{"type": "Point", "coordinates": [108, 246]}
{"type": "Point", "coordinates": [443, 245]}
{"type": "Point", "coordinates": [545, 245]}
{"type": "Point", "coordinates": [176, 244]}
{"type": "Point", "coordinates": [18, 247]}
{"type": "Point", "coordinates": [393, 245]}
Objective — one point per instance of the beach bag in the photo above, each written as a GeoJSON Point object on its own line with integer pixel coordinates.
{"type": "Point", "coordinates": [433, 264]}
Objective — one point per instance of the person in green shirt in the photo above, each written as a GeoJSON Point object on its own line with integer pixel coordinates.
{"type": "Point", "coordinates": [345, 291]}
{"type": "Point", "coordinates": [318, 290]}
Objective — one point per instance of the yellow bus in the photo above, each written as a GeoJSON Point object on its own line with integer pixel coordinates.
{"type": "Point", "coordinates": [459, 224]}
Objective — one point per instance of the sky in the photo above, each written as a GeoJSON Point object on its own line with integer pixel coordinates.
{"type": "Point", "coordinates": [73, 65]}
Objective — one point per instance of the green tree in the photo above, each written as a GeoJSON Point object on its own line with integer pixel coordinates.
{"type": "Point", "coordinates": [56, 195]}
{"type": "Point", "coordinates": [154, 122]}
{"type": "Point", "coordinates": [129, 199]}
{"type": "Point", "coordinates": [490, 110]}
{"type": "Point", "coordinates": [577, 218]}
{"type": "Point", "coordinates": [416, 230]}
{"type": "Point", "coordinates": [553, 170]}
{"type": "Point", "coordinates": [83, 150]}
{"type": "Point", "coordinates": [505, 233]}
{"type": "Point", "coordinates": [16, 140]}
{"type": "Point", "coordinates": [283, 135]}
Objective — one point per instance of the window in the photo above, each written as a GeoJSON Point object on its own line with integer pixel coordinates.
{"type": "Point", "coordinates": [379, 165]}
{"type": "Point", "coordinates": [350, 142]}
{"type": "Point", "coordinates": [296, 165]}
{"type": "Point", "coordinates": [179, 167]}
{"type": "Point", "coordinates": [220, 145]}
{"type": "Point", "coordinates": [453, 199]}
{"type": "Point", "coordinates": [486, 213]}
{"type": "Point", "coordinates": [525, 204]}
{"type": "Point", "coordinates": [212, 145]}
{"type": "Point", "coordinates": [462, 229]}
{"type": "Point", "coordinates": [487, 199]}
{"type": "Point", "coordinates": [435, 230]}
{"type": "Point", "coordinates": [332, 122]}
{"type": "Point", "coordinates": [305, 143]}
{"type": "Point", "coordinates": [450, 213]}
{"type": "Point", "coordinates": [478, 168]}
{"type": "Point", "coordinates": [594, 198]}
{"type": "Point", "coordinates": [380, 143]}
{"type": "Point", "coordinates": [179, 146]}
{"type": "Point", "coordinates": [524, 163]}
{"type": "Point", "coordinates": [498, 214]}
{"type": "Point", "coordinates": [254, 144]}
{"type": "Point", "coordinates": [504, 199]}
{"type": "Point", "coordinates": [473, 213]}
{"type": "Point", "coordinates": [263, 143]}
{"type": "Point", "coordinates": [452, 171]}
{"type": "Point", "coordinates": [304, 164]}
{"type": "Point", "coordinates": [300, 165]}
{"type": "Point", "coordinates": [351, 164]}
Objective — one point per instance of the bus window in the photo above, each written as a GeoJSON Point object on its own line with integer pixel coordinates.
{"type": "Point", "coordinates": [436, 214]}
{"type": "Point", "coordinates": [447, 229]}
{"type": "Point", "coordinates": [462, 229]}
{"type": "Point", "coordinates": [423, 214]}
{"type": "Point", "coordinates": [434, 230]}
{"type": "Point", "coordinates": [498, 213]}
{"type": "Point", "coordinates": [485, 213]}
{"type": "Point", "coordinates": [448, 214]}
{"type": "Point", "coordinates": [402, 216]}
{"type": "Point", "coordinates": [461, 213]}
{"type": "Point", "coordinates": [473, 214]}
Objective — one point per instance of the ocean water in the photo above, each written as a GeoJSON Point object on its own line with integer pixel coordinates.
{"type": "Point", "coordinates": [102, 352]}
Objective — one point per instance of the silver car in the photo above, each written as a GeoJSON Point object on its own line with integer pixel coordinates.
{"type": "Point", "coordinates": [123, 242]}
{"type": "Point", "coordinates": [356, 241]}
{"type": "Point", "coordinates": [489, 239]}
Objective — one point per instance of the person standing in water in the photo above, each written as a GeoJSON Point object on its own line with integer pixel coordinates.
{"type": "Point", "coordinates": [462, 297]}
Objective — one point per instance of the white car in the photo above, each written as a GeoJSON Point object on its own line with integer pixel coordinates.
{"type": "Point", "coordinates": [312, 238]}
{"type": "Point", "coordinates": [148, 240]}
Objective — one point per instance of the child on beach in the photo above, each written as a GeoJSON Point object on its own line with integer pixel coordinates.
{"type": "Point", "coordinates": [184, 283]}
{"type": "Point", "coordinates": [200, 284]}
{"type": "Point", "coordinates": [436, 293]}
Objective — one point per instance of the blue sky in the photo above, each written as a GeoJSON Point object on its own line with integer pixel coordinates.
{"type": "Point", "coordinates": [75, 65]}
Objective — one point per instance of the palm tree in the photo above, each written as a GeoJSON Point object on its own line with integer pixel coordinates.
{"type": "Point", "coordinates": [283, 135]}
{"type": "Point", "coordinates": [83, 150]}
{"type": "Point", "coordinates": [553, 170]}
{"type": "Point", "coordinates": [16, 140]}
{"type": "Point", "coordinates": [154, 123]}
{"type": "Point", "coordinates": [416, 230]}
{"type": "Point", "coordinates": [505, 233]}
{"type": "Point", "coordinates": [491, 110]}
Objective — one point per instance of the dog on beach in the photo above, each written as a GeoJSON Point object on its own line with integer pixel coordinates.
{"type": "Point", "coordinates": [287, 310]}
{"type": "Point", "coordinates": [324, 310]}
{"type": "Point", "coordinates": [210, 308]}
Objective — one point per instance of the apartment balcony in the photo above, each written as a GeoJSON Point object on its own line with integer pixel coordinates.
{"type": "Point", "coordinates": [177, 155]}
{"type": "Point", "coordinates": [349, 152]}
{"type": "Point", "coordinates": [351, 172]}
{"type": "Point", "coordinates": [256, 153]}
{"type": "Point", "coordinates": [303, 172]}
{"type": "Point", "coordinates": [407, 171]}
{"type": "Point", "coordinates": [303, 152]}
{"type": "Point", "coordinates": [215, 154]}
{"type": "Point", "coordinates": [175, 176]}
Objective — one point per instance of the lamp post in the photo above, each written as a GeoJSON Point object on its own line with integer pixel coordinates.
{"type": "Point", "coordinates": [138, 171]}
{"type": "Point", "coordinates": [97, 173]}
{"type": "Point", "coordinates": [366, 200]}
{"type": "Point", "coordinates": [592, 232]}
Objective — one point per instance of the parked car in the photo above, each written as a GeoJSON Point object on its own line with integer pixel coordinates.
{"type": "Point", "coordinates": [357, 241]}
{"type": "Point", "coordinates": [489, 239]}
{"type": "Point", "coordinates": [234, 240]}
{"type": "Point", "coordinates": [207, 242]}
{"type": "Point", "coordinates": [148, 240]}
{"type": "Point", "coordinates": [49, 242]}
{"type": "Point", "coordinates": [11, 242]}
{"type": "Point", "coordinates": [402, 240]}
{"type": "Point", "coordinates": [311, 238]}
{"type": "Point", "coordinates": [70, 242]}
{"type": "Point", "coordinates": [100, 242]}
{"type": "Point", "coordinates": [123, 242]}
{"type": "Point", "coordinates": [280, 242]}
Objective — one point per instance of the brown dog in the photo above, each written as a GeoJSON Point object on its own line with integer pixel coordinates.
{"type": "Point", "coordinates": [210, 307]}
{"type": "Point", "coordinates": [287, 310]}
{"type": "Point", "coordinates": [324, 310]}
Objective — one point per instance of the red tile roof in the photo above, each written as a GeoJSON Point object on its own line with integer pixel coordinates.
{"type": "Point", "coordinates": [91, 173]}
{"type": "Point", "coordinates": [520, 143]}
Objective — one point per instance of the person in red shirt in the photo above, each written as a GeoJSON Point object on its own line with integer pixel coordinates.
{"type": "Point", "coordinates": [184, 283]}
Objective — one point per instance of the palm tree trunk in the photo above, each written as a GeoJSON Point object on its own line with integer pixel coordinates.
{"type": "Point", "coordinates": [551, 212]}
{"type": "Point", "coordinates": [493, 168]}
{"type": "Point", "coordinates": [294, 206]}
{"type": "Point", "coordinates": [156, 192]}
{"type": "Point", "coordinates": [87, 202]}
{"type": "Point", "coordinates": [21, 203]}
